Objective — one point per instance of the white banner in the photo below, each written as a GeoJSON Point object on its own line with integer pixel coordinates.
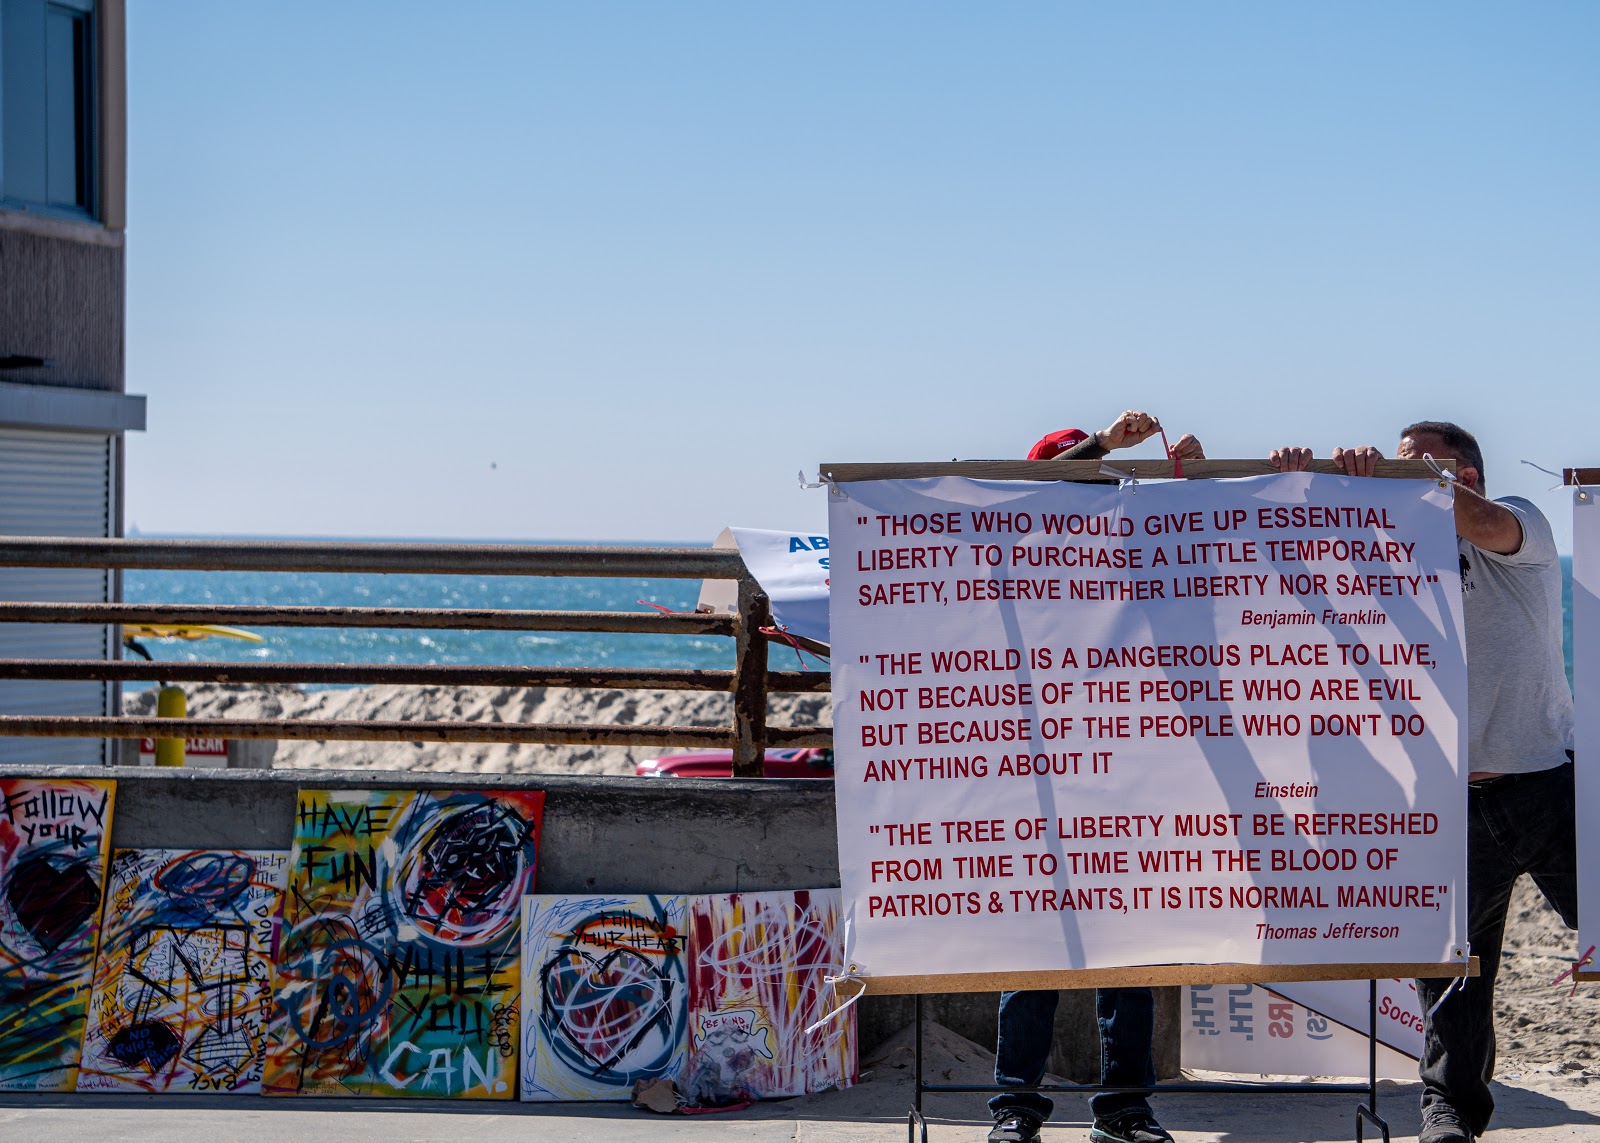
{"type": "Point", "coordinates": [1245, 1028]}
{"type": "Point", "coordinates": [1084, 726]}
{"type": "Point", "coordinates": [1585, 695]}
{"type": "Point", "coordinates": [791, 567]}
{"type": "Point", "coordinates": [1399, 1017]}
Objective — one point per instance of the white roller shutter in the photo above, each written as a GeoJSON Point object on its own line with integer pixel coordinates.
{"type": "Point", "coordinates": [55, 483]}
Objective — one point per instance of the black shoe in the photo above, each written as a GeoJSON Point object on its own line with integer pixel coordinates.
{"type": "Point", "coordinates": [1442, 1123]}
{"type": "Point", "coordinates": [1013, 1126]}
{"type": "Point", "coordinates": [1129, 1127]}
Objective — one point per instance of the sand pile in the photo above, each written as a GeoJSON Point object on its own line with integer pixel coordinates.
{"type": "Point", "coordinates": [1541, 1028]}
{"type": "Point", "coordinates": [478, 704]}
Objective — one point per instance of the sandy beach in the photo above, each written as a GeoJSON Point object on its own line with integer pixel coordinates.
{"type": "Point", "coordinates": [478, 704]}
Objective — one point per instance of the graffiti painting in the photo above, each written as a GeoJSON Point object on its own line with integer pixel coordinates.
{"type": "Point", "coordinates": [605, 994]}
{"type": "Point", "coordinates": [183, 982]}
{"type": "Point", "coordinates": [399, 968]}
{"type": "Point", "coordinates": [757, 968]}
{"type": "Point", "coordinates": [53, 841]}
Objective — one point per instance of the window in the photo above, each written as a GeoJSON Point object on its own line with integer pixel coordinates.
{"type": "Point", "coordinates": [47, 128]}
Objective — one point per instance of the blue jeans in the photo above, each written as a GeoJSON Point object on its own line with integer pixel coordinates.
{"type": "Point", "coordinates": [1027, 1029]}
{"type": "Point", "coordinates": [1519, 823]}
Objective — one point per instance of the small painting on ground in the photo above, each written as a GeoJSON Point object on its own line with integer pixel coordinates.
{"type": "Point", "coordinates": [183, 983]}
{"type": "Point", "coordinates": [605, 994]}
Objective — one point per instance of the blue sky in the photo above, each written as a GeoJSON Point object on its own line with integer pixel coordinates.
{"type": "Point", "coordinates": [618, 271]}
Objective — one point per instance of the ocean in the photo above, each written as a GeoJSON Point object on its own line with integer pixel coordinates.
{"type": "Point", "coordinates": [519, 648]}
{"type": "Point", "coordinates": [514, 648]}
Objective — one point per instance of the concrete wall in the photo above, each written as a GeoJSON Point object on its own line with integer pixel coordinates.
{"type": "Point", "coordinates": [606, 835]}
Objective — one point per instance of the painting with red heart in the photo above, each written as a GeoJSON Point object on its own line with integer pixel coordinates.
{"type": "Point", "coordinates": [53, 848]}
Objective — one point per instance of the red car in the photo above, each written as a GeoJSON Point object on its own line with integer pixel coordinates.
{"type": "Point", "coordinates": [811, 762]}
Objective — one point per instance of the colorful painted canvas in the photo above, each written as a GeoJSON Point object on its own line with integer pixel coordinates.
{"type": "Point", "coordinates": [53, 844]}
{"type": "Point", "coordinates": [605, 994]}
{"type": "Point", "coordinates": [399, 968]}
{"type": "Point", "coordinates": [757, 968]}
{"type": "Point", "coordinates": [183, 983]}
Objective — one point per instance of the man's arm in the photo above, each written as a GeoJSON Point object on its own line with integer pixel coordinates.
{"type": "Point", "coordinates": [1089, 448]}
{"type": "Point", "coordinates": [1129, 429]}
{"type": "Point", "coordinates": [1487, 525]}
{"type": "Point", "coordinates": [1479, 521]}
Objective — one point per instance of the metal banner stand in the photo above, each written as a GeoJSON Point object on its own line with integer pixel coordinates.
{"type": "Point", "coordinates": [1098, 471]}
{"type": "Point", "coordinates": [1364, 1112]}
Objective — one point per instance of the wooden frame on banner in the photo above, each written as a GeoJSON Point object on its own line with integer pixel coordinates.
{"type": "Point", "coordinates": [1091, 470]}
{"type": "Point", "coordinates": [1138, 976]}
{"type": "Point", "coordinates": [1157, 976]}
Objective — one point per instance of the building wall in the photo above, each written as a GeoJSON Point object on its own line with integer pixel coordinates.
{"type": "Point", "coordinates": [61, 298]}
{"type": "Point", "coordinates": [62, 287]}
{"type": "Point", "coordinates": [61, 276]}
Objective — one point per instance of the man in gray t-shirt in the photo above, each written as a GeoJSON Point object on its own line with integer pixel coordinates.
{"type": "Point", "coordinates": [1519, 760]}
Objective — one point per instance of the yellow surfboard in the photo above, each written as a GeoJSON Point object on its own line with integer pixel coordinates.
{"type": "Point", "coordinates": [190, 632]}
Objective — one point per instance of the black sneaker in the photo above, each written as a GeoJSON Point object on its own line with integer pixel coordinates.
{"type": "Point", "coordinates": [1015, 1126]}
{"type": "Point", "coordinates": [1129, 1127]}
{"type": "Point", "coordinates": [1442, 1123]}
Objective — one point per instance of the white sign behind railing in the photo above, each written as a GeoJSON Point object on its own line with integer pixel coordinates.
{"type": "Point", "coordinates": [791, 567]}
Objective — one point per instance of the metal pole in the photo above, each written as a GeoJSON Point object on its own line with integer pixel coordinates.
{"type": "Point", "coordinates": [750, 682]}
{"type": "Point", "coordinates": [427, 559]}
{"type": "Point", "coordinates": [916, 1059]}
{"type": "Point", "coordinates": [1372, 1046]}
{"type": "Point", "coordinates": [439, 618]}
{"type": "Point", "coordinates": [372, 730]}
{"type": "Point", "coordinates": [1371, 1110]}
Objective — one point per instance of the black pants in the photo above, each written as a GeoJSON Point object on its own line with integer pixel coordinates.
{"type": "Point", "coordinates": [1516, 824]}
{"type": "Point", "coordinates": [1027, 1030]}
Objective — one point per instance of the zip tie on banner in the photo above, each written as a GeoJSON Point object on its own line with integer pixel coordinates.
{"type": "Point", "coordinates": [849, 975]}
{"type": "Point", "coordinates": [1443, 473]}
{"type": "Point", "coordinates": [821, 482]}
{"type": "Point", "coordinates": [1577, 965]}
{"type": "Point", "coordinates": [1561, 480]}
{"type": "Point", "coordinates": [783, 636]}
{"type": "Point", "coordinates": [1127, 480]}
{"type": "Point", "coordinates": [674, 611]}
{"type": "Point", "coordinates": [833, 980]}
{"type": "Point", "coordinates": [1457, 982]}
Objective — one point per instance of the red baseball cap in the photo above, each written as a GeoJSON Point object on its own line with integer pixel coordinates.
{"type": "Point", "coordinates": [1056, 443]}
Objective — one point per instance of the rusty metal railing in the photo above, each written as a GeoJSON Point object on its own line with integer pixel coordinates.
{"type": "Point", "coordinates": [750, 682]}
